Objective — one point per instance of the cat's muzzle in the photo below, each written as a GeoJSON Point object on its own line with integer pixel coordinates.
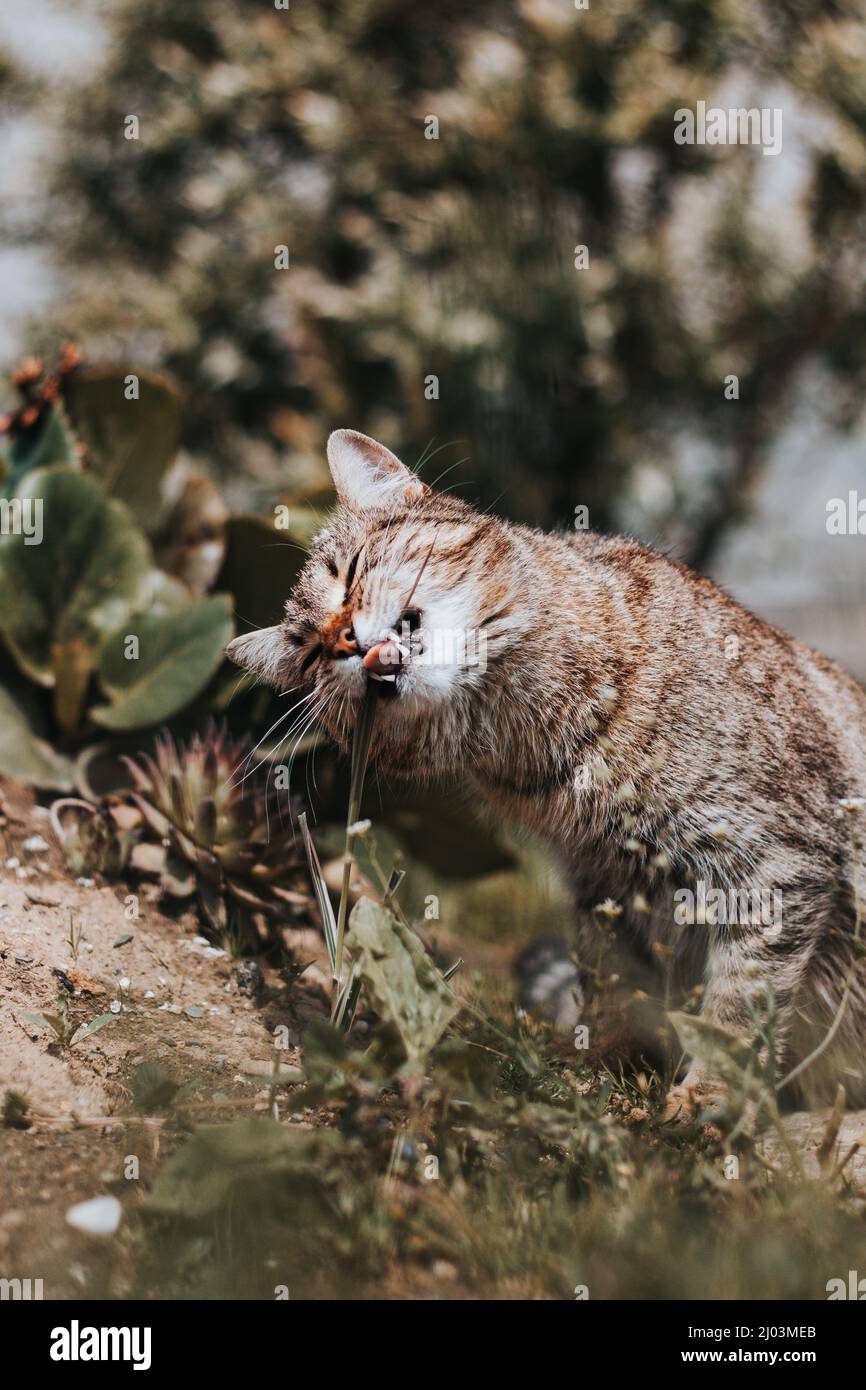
{"type": "Point", "coordinates": [383, 661]}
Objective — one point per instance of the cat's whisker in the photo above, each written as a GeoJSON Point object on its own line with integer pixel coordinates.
{"type": "Point", "coordinates": [301, 727]}
{"type": "Point", "coordinates": [446, 471]}
{"type": "Point", "coordinates": [230, 780]}
{"type": "Point", "coordinates": [426, 457]}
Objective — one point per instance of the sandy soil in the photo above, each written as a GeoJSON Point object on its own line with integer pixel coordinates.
{"type": "Point", "coordinates": [182, 1005]}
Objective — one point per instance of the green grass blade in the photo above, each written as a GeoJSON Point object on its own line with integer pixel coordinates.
{"type": "Point", "coordinates": [326, 912]}
{"type": "Point", "coordinates": [360, 753]}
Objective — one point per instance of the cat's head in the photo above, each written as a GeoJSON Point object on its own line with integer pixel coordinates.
{"type": "Point", "coordinates": [403, 584]}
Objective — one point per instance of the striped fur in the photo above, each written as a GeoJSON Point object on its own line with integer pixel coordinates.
{"type": "Point", "coordinates": [634, 715]}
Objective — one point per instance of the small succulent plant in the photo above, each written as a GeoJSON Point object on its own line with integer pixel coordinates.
{"type": "Point", "coordinates": [214, 826]}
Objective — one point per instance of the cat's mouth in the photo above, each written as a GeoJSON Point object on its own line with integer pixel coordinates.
{"type": "Point", "coordinates": [383, 663]}
{"type": "Point", "coordinates": [389, 662]}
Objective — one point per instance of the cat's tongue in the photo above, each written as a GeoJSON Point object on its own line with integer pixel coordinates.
{"type": "Point", "coordinates": [383, 659]}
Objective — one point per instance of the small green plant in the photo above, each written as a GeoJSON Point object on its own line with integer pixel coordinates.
{"type": "Point", "coordinates": [153, 1088]}
{"type": "Point", "coordinates": [15, 1108]}
{"type": "Point", "coordinates": [347, 987]}
{"type": "Point", "coordinates": [407, 989]}
{"type": "Point", "coordinates": [97, 637]}
{"type": "Point", "coordinates": [67, 1030]}
{"type": "Point", "coordinates": [73, 940]}
{"type": "Point", "coordinates": [213, 827]}
{"type": "Point", "coordinates": [95, 839]}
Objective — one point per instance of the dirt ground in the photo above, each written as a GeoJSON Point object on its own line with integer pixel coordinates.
{"type": "Point", "coordinates": [179, 1003]}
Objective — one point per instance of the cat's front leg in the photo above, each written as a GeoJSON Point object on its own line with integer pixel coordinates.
{"type": "Point", "coordinates": [745, 969]}
{"type": "Point", "coordinates": [701, 1092]}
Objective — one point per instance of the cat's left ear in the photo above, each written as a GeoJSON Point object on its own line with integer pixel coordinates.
{"type": "Point", "coordinates": [366, 474]}
{"type": "Point", "coordinates": [262, 652]}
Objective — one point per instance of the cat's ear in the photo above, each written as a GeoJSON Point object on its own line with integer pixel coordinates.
{"type": "Point", "coordinates": [262, 652]}
{"type": "Point", "coordinates": [366, 474]}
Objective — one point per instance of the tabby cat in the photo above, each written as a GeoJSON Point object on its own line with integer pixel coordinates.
{"type": "Point", "coordinates": [699, 773]}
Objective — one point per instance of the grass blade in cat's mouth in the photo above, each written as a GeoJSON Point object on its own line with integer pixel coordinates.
{"type": "Point", "coordinates": [360, 757]}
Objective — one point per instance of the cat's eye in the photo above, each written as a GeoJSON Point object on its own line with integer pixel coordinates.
{"type": "Point", "coordinates": [411, 618]}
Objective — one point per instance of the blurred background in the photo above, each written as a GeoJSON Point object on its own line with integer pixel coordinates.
{"type": "Point", "coordinates": [454, 257]}
{"type": "Point", "coordinates": [370, 214]}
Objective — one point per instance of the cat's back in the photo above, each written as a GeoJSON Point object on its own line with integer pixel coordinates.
{"type": "Point", "coordinates": [709, 661]}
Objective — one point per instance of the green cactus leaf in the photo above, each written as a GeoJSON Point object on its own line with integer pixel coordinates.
{"type": "Point", "coordinates": [212, 903]}
{"type": "Point", "coordinates": [79, 582]}
{"type": "Point", "coordinates": [130, 443]}
{"type": "Point", "coordinates": [24, 754]}
{"type": "Point", "coordinates": [178, 877]}
{"type": "Point", "coordinates": [178, 652]}
{"type": "Point", "coordinates": [149, 859]}
{"type": "Point", "coordinates": [222, 828]}
{"type": "Point", "coordinates": [158, 823]}
{"type": "Point", "coordinates": [206, 821]}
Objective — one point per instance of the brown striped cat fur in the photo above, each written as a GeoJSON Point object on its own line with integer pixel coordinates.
{"type": "Point", "coordinates": [651, 729]}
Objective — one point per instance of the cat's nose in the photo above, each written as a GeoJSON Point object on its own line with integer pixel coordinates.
{"type": "Point", "coordinates": [345, 642]}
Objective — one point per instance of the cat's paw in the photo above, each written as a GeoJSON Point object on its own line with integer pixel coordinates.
{"type": "Point", "coordinates": [691, 1098]}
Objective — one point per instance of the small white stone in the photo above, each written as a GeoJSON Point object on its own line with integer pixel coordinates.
{"type": "Point", "coordinates": [98, 1217]}
{"type": "Point", "coordinates": [124, 982]}
{"type": "Point", "coordinates": [12, 863]}
{"type": "Point", "coordinates": [34, 844]}
{"type": "Point", "coordinates": [115, 1006]}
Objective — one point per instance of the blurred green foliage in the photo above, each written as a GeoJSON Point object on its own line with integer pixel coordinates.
{"type": "Point", "coordinates": [454, 257]}
{"type": "Point", "coordinates": [95, 635]}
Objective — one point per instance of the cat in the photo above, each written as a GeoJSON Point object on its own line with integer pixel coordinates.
{"type": "Point", "coordinates": [673, 748]}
